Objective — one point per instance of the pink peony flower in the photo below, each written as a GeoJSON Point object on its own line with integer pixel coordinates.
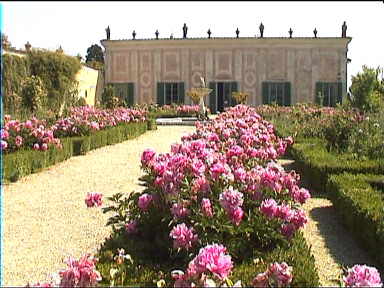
{"type": "Point", "coordinates": [93, 199]}
{"type": "Point", "coordinates": [131, 227]}
{"type": "Point", "coordinates": [206, 207]}
{"type": "Point", "coordinates": [44, 147]}
{"type": "Point", "coordinates": [211, 258]}
{"type": "Point", "coordinates": [236, 215]}
{"type": "Point", "coordinates": [284, 212]}
{"type": "Point", "coordinates": [230, 199]}
{"type": "Point", "coordinates": [144, 201]}
{"type": "Point", "coordinates": [268, 208]}
{"type": "Point", "coordinates": [80, 273]}
{"type": "Point", "coordinates": [4, 145]}
{"type": "Point", "coordinates": [261, 280]}
{"type": "Point", "coordinates": [288, 230]}
{"type": "Point", "coordinates": [362, 276]}
{"type": "Point", "coordinates": [299, 219]}
{"type": "Point", "coordinates": [4, 134]}
{"type": "Point", "coordinates": [36, 146]}
{"type": "Point", "coordinates": [179, 211]}
{"type": "Point", "coordinates": [280, 274]}
{"type": "Point", "coordinates": [40, 285]}
{"type": "Point", "coordinates": [147, 156]}
{"type": "Point", "coordinates": [183, 236]}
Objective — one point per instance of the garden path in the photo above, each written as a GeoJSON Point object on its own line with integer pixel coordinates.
{"type": "Point", "coordinates": [45, 217]}
{"type": "Point", "coordinates": [332, 245]}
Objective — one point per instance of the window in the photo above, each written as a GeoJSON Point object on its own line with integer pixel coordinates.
{"type": "Point", "coordinates": [168, 93]}
{"type": "Point", "coordinates": [328, 93]}
{"type": "Point", "coordinates": [125, 91]}
{"type": "Point", "coordinates": [277, 92]}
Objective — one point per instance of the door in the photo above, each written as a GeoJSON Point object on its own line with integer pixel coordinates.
{"type": "Point", "coordinates": [221, 95]}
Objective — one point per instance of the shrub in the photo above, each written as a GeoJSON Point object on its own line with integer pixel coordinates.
{"type": "Point", "coordinates": [34, 94]}
{"type": "Point", "coordinates": [360, 207]}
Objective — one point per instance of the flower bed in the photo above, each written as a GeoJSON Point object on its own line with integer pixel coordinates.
{"type": "Point", "coordinates": [31, 146]}
{"type": "Point", "coordinates": [171, 111]}
{"type": "Point", "coordinates": [220, 185]}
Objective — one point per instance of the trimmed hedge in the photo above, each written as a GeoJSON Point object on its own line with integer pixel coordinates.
{"type": "Point", "coordinates": [27, 161]}
{"type": "Point", "coordinates": [361, 208]}
{"type": "Point", "coordinates": [317, 164]}
{"type": "Point", "coordinates": [297, 255]}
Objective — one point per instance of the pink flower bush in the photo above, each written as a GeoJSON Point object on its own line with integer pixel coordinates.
{"type": "Point", "coordinates": [362, 276]}
{"type": "Point", "coordinates": [32, 133]}
{"type": "Point", "coordinates": [179, 211]}
{"type": "Point", "coordinates": [144, 201]}
{"type": "Point", "coordinates": [183, 236]}
{"type": "Point", "coordinates": [94, 199]}
{"type": "Point", "coordinates": [147, 157]}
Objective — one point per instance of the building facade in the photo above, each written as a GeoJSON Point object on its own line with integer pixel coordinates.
{"type": "Point", "coordinates": [87, 78]}
{"type": "Point", "coordinates": [271, 70]}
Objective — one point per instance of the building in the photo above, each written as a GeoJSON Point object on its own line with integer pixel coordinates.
{"type": "Point", "coordinates": [271, 69]}
{"type": "Point", "coordinates": [87, 78]}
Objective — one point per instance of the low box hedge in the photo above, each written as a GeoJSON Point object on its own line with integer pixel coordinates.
{"type": "Point", "coordinates": [315, 163]}
{"type": "Point", "coordinates": [361, 208]}
{"type": "Point", "coordinates": [297, 254]}
{"type": "Point", "coordinates": [27, 161]}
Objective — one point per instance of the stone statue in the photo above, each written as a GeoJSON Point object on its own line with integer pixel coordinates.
{"type": "Point", "coordinates": [202, 109]}
{"type": "Point", "coordinates": [290, 32]}
{"type": "Point", "coordinates": [344, 30]}
{"type": "Point", "coordinates": [185, 29]}
{"type": "Point", "coordinates": [157, 34]}
{"type": "Point", "coordinates": [28, 46]}
{"type": "Point", "coordinates": [209, 33]}
{"type": "Point", "coordinates": [315, 33]}
{"type": "Point", "coordinates": [134, 34]}
{"type": "Point", "coordinates": [108, 32]}
{"type": "Point", "coordinates": [237, 33]}
{"type": "Point", "coordinates": [261, 27]}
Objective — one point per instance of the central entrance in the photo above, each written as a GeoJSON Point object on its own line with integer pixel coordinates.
{"type": "Point", "coordinates": [221, 95]}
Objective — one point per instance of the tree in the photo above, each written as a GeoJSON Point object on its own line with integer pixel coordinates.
{"type": "Point", "coordinates": [34, 94]}
{"type": "Point", "coordinates": [94, 53]}
{"type": "Point", "coordinates": [367, 90]}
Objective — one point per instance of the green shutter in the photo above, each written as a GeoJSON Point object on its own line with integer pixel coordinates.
{"type": "Point", "coordinates": [340, 92]}
{"type": "Point", "coordinates": [160, 93]}
{"type": "Point", "coordinates": [212, 97]}
{"type": "Point", "coordinates": [264, 91]}
{"type": "Point", "coordinates": [181, 92]}
{"type": "Point", "coordinates": [130, 96]}
{"type": "Point", "coordinates": [233, 89]}
{"type": "Point", "coordinates": [287, 94]}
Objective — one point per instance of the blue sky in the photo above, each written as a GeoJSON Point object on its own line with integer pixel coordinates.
{"type": "Point", "coordinates": [77, 25]}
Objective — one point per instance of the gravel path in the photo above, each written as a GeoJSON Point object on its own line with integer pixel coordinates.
{"type": "Point", "coordinates": [332, 245]}
{"type": "Point", "coordinates": [45, 217]}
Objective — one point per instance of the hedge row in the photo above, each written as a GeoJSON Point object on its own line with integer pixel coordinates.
{"type": "Point", "coordinates": [361, 208]}
{"type": "Point", "coordinates": [317, 164]}
{"type": "Point", "coordinates": [297, 255]}
{"type": "Point", "coordinates": [25, 162]}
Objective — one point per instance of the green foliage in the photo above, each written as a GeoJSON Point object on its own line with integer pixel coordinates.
{"type": "Point", "coordinates": [366, 140]}
{"type": "Point", "coordinates": [80, 102]}
{"type": "Point", "coordinates": [317, 164]}
{"type": "Point", "coordinates": [368, 90]}
{"type": "Point", "coordinates": [34, 94]}
{"type": "Point", "coordinates": [360, 207]}
{"type": "Point", "coordinates": [94, 53]}
{"type": "Point", "coordinates": [58, 73]}
{"type": "Point", "coordinates": [108, 98]}
{"type": "Point", "coordinates": [15, 70]}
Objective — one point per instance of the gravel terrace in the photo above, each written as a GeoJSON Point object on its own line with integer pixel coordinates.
{"type": "Point", "coordinates": [45, 217]}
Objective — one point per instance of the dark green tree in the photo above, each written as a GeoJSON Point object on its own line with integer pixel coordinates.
{"type": "Point", "coordinates": [94, 53]}
{"type": "Point", "coordinates": [367, 89]}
